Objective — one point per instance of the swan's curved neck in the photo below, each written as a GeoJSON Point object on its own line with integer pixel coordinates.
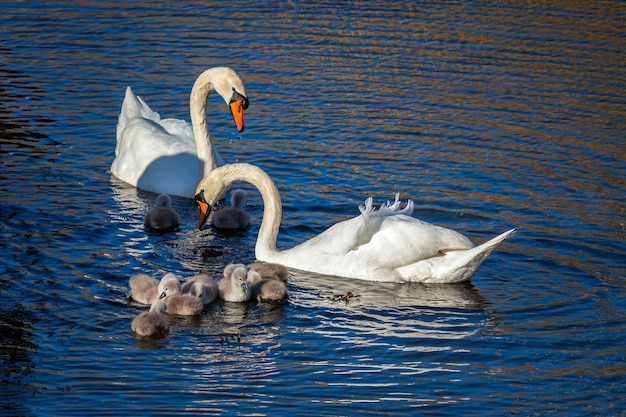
{"type": "Point", "coordinates": [272, 205]}
{"type": "Point", "coordinates": [197, 107]}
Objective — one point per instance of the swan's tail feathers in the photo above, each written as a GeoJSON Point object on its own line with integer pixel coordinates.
{"type": "Point", "coordinates": [453, 266]}
{"type": "Point", "coordinates": [388, 209]}
{"type": "Point", "coordinates": [132, 107]}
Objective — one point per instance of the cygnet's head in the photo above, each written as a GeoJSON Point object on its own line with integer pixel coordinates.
{"type": "Point", "coordinates": [164, 200]}
{"type": "Point", "coordinates": [253, 277]}
{"type": "Point", "coordinates": [228, 271]}
{"type": "Point", "coordinates": [169, 285]}
{"type": "Point", "coordinates": [239, 278]}
{"type": "Point", "coordinates": [238, 198]}
{"type": "Point", "coordinates": [197, 289]}
{"type": "Point", "coordinates": [158, 306]}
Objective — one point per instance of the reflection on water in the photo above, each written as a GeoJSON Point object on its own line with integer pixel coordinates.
{"type": "Point", "coordinates": [488, 117]}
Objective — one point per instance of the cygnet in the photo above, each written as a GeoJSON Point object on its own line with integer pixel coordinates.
{"type": "Point", "coordinates": [143, 289]}
{"type": "Point", "coordinates": [201, 286]}
{"type": "Point", "coordinates": [234, 286]}
{"type": "Point", "coordinates": [146, 290]}
{"type": "Point", "coordinates": [163, 216]}
{"type": "Point", "coordinates": [169, 285]}
{"type": "Point", "coordinates": [266, 290]}
{"type": "Point", "coordinates": [153, 322]}
{"type": "Point", "coordinates": [233, 217]}
{"type": "Point", "coordinates": [269, 270]}
{"type": "Point", "coordinates": [183, 305]}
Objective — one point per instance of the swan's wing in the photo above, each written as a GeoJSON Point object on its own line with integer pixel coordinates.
{"type": "Point", "coordinates": [454, 266]}
{"type": "Point", "coordinates": [177, 127]}
{"type": "Point", "coordinates": [402, 240]}
{"type": "Point", "coordinates": [350, 235]}
{"type": "Point", "coordinates": [150, 158]}
{"type": "Point", "coordinates": [133, 107]}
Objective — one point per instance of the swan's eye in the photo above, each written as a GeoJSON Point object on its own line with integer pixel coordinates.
{"type": "Point", "coordinates": [238, 96]}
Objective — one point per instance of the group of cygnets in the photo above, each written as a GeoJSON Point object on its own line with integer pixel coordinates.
{"type": "Point", "coordinates": [163, 217]}
{"type": "Point", "coordinates": [263, 282]}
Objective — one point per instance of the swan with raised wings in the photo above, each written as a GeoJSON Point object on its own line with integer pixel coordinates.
{"type": "Point", "coordinates": [379, 245]}
{"type": "Point", "coordinates": [169, 156]}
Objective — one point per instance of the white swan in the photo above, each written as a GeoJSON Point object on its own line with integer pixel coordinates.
{"type": "Point", "coordinates": [153, 322]}
{"type": "Point", "coordinates": [234, 286]}
{"type": "Point", "coordinates": [379, 245]}
{"type": "Point", "coordinates": [168, 156]}
{"type": "Point", "coordinates": [233, 217]}
{"type": "Point", "coordinates": [162, 216]}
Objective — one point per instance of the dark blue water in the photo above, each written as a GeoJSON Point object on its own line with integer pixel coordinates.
{"type": "Point", "coordinates": [489, 115]}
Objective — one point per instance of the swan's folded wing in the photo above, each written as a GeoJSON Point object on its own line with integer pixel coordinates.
{"type": "Point", "coordinates": [134, 107]}
{"type": "Point", "coordinates": [402, 240]}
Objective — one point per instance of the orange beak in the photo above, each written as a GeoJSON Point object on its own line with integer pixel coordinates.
{"type": "Point", "coordinates": [204, 209]}
{"type": "Point", "coordinates": [236, 109]}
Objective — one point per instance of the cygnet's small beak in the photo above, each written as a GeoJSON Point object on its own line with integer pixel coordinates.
{"type": "Point", "coordinates": [244, 287]}
{"type": "Point", "coordinates": [204, 209]}
{"type": "Point", "coordinates": [163, 295]}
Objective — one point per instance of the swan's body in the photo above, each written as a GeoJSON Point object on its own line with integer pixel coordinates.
{"type": "Point", "coordinates": [379, 245]}
{"type": "Point", "coordinates": [147, 290]}
{"type": "Point", "coordinates": [153, 322]}
{"type": "Point", "coordinates": [234, 286]}
{"type": "Point", "coordinates": [162, 216]}
{"type": "Point", "coordinates": [235, 216]}
{"type": "Point", "coordinates": [270, 271]}
{"type": "Point", "coordinates": [271, 290]}
{"type": "Point", "coordinates": [170, 156]}
{"type": "Point", "coordinates": [201, 286]}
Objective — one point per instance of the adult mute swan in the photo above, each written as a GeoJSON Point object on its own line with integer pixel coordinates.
{"type": "Point", "coordinates": [379, 245]}
{"type": "Point", "coordinates": [168, 156]}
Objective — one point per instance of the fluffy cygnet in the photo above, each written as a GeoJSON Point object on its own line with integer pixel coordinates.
{"type": "Point", "coordinates": [183, 305]}
{"type": "Point", "coordinates": [235, 216]}
{"type": "Point", "coordinates": [266, 290]}
{"type": "Point", "coordinates": [146, 290]}
{"type": "Point", "coordinates": [153, 322]}
{"type": "Point", "coordinates": [169, 285]}
{"type": "Point", "coordinates": [201, 286]}
{"type": "Point", "coordinates": [163, 216]}
{"type": "Point", "coordinates": [234, 286]}
{"type": "Point", "coordinates": [269, 270]}
{"type": "Point", "coordinates": [143, 288]}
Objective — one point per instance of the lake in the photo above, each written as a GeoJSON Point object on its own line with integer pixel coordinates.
{"type": "Point", "coordinates": [489, 115]}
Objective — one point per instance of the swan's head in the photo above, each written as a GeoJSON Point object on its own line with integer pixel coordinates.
{"type": "Point", "coordinates": [227, 84]}
{"type": "Point", "coordinates": [209, 191]}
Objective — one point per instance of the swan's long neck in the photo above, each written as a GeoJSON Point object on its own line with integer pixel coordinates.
{"type": "Point", "coordinates": [197, 107]}
{"type": "Point", "coordinates": [272, 205]}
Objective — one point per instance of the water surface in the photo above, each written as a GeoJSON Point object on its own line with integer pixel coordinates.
{"type": "Point", "coordinates": [490, 116]}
